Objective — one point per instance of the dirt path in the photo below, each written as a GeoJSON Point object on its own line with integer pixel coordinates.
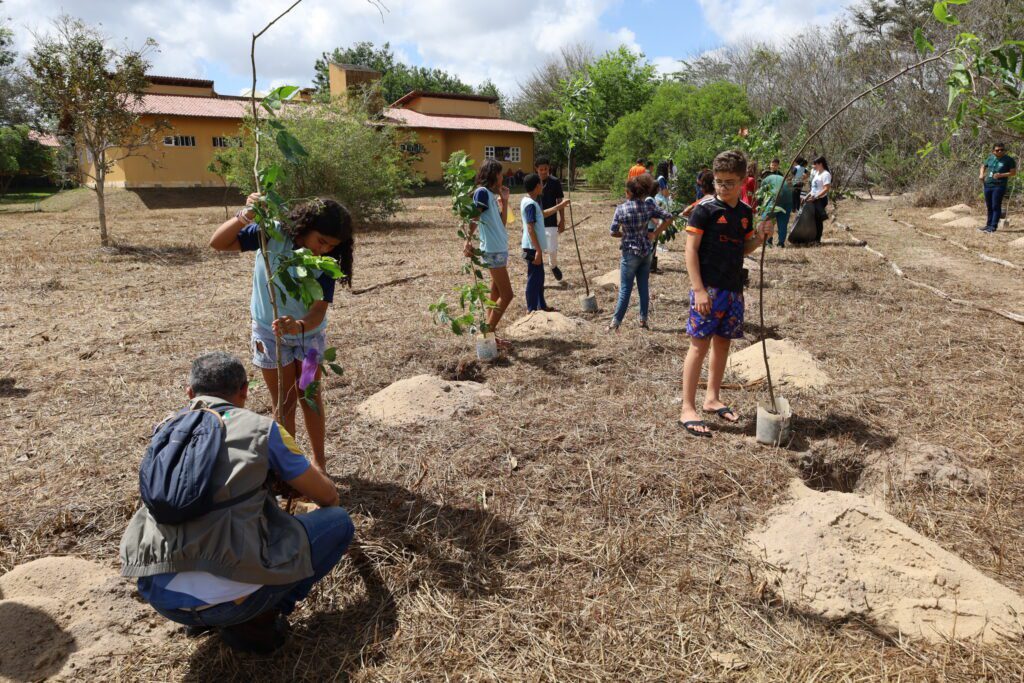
{"type": "Point", "coordinates": [961, 271]}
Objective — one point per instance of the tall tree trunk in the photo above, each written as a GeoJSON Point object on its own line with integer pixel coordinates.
{"type": "Point", "coordinates": [101, 177]}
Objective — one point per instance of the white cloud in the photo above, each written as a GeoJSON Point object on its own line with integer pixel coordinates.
{"type": "Point", "coordinates": [501, 41]}
{"type": "Point", "coordinates": [666, 66]}
{"type": "Point", "coordinates": [769, 20]}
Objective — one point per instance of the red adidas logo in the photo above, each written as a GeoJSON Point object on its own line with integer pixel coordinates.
{"type": "Point", "coordinates": [721, 219]}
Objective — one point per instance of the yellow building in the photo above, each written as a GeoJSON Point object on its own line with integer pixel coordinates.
{"type": "Point", "coordinates": [200, 121]}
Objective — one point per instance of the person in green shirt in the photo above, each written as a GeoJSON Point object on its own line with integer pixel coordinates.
{"type": "Point", "coordinates": [995, 174]}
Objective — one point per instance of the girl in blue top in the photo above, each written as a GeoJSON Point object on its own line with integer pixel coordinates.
{"type": "Point", "coordinates": [491, 200]}
{"type": "Point", "coordinates": [325, 228]}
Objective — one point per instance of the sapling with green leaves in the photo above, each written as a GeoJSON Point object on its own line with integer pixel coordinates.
{"type": "Point", "coordinates": [302, 250]}
{"type": "Point", "coordinates": [474, 297]}
{"type": "Point", "coordinates": [576, 106]}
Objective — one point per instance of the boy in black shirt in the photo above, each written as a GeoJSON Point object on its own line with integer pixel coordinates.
{"type": "Point", "coordinates": [554, 225]}
{"type": "Point", "coordinates": [720, 233]}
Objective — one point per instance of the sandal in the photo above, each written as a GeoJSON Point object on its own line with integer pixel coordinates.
{"type": "Point", "coordinates": [691, 426]}
{"type": "Point", "coordinates": [722, 412]}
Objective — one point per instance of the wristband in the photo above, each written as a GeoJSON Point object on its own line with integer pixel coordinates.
{"type": "Point", "coordinates": [241, 215]}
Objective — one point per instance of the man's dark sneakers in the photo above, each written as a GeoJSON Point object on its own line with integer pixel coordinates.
{"type": "Point", "coordinates": [557, 272]}
{"type": "Point", "coordinates": [260, 635]}
{"type": "Point", "coordinates": [196, 630]}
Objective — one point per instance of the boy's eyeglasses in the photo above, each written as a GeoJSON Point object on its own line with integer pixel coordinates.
{"type": "Point", "coordinates": [726, 184]}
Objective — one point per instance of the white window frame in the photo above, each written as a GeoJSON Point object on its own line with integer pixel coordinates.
{"type": "Point", "coordinates": [179, 141]}
{"type": "Point", "coordinates": [221, 141]}
{"type": "Point", "coordinates": [516, 154]}
{"type": "Point", "coordinates": [489, 152]}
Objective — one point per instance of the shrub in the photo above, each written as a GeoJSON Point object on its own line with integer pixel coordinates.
{"type": "Point", "coordinates": [681, 122]}
{"type": "Point", "coordinates": [358, 164]}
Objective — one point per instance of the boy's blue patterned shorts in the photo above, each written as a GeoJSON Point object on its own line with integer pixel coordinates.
{"type": "Point", "coordinates": [725, 318]}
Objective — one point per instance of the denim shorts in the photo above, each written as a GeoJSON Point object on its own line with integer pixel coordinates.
{"type": "Point", "coordinates": [292, 350]}
{"type": "Point", "coordinates": [494, 259]}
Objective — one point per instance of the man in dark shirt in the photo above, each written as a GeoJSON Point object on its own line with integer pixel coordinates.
{"type": "Point", "coordinates": [998, 168]}
{"type": "Point", "coordinates": [554, 225]}
{"type": "Point", "coordinates": [720, 233]}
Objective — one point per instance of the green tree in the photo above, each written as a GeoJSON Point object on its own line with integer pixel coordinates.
{"type": "Point", "coordinates": [15, 100]}
{"type": "Point", "coordinates": [94, 92]}
{"type": "Point", "coordinates": [685, 123]}
{"type": "Point", "coordinates": [619, 82]}
{"type": "Point", "coordinates": [397, 79]}
{"type": "Point", "coordinates": [6, 38]}
{"type": "Point", "coordinates": [359, 165]}
{"type": "Point", "coordinates": [985, 81]}
{"type": "Point", "coordinates": [21, 155]}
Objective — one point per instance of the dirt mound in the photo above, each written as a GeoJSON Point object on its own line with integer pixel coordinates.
{"type": "Point", "coordinates": [910, 462]}
{"type": "Point", "coordinates": [945, 216]}
{"type": "Point", "coordinates": [421, 399]}
{"type": "Point", "coordinates": [64, 617]}
{"type": "Point", "coordinates": [966, 222]}
{"type": "Point", "coordinates": [840, 556]}
{"type": "Point", "coordinates": [543, 325]}
{"type": "Point", "coordinates": [790, 365]}
{"type": "Point", "coordinates": [960, 209]}
{"type": "Point", "coordinates": [609, 282]}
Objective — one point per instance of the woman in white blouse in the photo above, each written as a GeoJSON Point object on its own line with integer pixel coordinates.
{"type": "Point", "coordinates": [821, 183]}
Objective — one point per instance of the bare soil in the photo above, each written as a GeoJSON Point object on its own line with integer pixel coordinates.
{"type": "Point", "coordinates": [569, 530]}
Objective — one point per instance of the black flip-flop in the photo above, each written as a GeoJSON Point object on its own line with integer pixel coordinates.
{"type": "Point", "coordinates": [721, 412]}
{"type": "Point", "coordinates": [689, 427]}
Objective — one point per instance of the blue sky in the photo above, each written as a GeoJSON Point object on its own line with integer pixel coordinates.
{"type": "Point", "coordinates": [500, 41]}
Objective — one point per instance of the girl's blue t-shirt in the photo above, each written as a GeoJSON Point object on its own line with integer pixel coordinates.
{"type": "Point", "coordinates": [493, 235]}
{"type": "Point", "coordinates": [260, 308]}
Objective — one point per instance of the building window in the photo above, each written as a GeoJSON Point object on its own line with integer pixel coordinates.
{"type": "Point", "coordinates": [222, 141]}
{"type": "Point", "coordinates": [412, 148]}
{"type": "Point", "coordinates": [180, 141]}
{"type": "Point", "coordinates": [509, 154]}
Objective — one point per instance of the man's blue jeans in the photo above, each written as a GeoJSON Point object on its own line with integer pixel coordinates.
{"type": "Point", "coordinates": [994, 203]}
{"type": "Point", "coordinates": [632, 267]}
{"type": "Point", "coordinates": [330, 532]}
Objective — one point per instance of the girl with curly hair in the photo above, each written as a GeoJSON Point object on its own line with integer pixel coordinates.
{"type": "Point", "coordinates": [491, 201]}
{"type": "Point", "coordinates": [325, 228]}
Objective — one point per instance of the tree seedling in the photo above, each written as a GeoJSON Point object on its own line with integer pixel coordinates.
{"type": "Point", "coordinates": [293, 276]}
{"type": "Point", "coordinates": [474, 297]}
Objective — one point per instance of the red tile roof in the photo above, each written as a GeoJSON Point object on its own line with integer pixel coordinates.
{"type": "Point", "coordinates": [190, 105]}
{"type": "Point", "coordinates": [44, 139]}
{"type": "Point", "coordinates": [414, 119]}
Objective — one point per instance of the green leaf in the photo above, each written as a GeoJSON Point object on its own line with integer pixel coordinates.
{"type": "Point", "coordinates": [941, 12]}
{"type": "Point", "coordinates": [330, 354]}
{"type": "Point", "coordinates": [923, 45]}
{"type": "Point", "coordinates": [269, 175]}
{"type": "Point", "coordinates": [337, 369]}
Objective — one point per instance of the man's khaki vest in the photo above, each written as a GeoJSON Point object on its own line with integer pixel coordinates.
{"type": "Point", "coordinates": [253, 541]}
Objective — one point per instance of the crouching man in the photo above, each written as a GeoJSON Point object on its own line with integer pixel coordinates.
{"type": "Point", "coordinates": [232, 561]}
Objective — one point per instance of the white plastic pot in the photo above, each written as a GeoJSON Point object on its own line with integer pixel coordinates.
{"type": "Point", "coordinates": [773, 429]}
{"type": "Point", "coordinates": [486, 347]}
{"type": "Point", "coordinates": [588, 304]}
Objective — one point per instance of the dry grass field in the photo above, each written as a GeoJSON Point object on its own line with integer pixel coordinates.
{"type": "Point", "coordinates": [568, 531]}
